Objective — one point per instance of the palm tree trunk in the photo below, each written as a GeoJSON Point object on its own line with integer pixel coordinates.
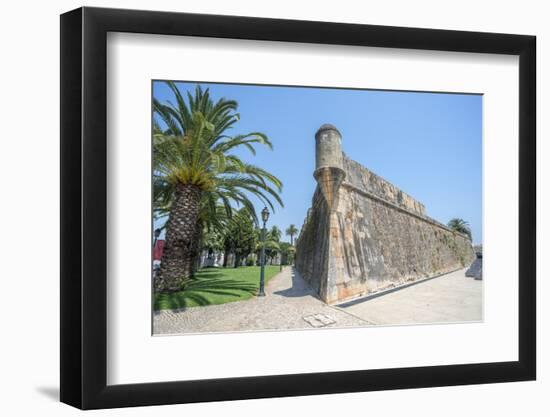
{"type": "Point", "coordinates": [196, 248]}
{"type": "Point", "coordinates": [179, 254]}
{"type": "Point", "coordinates": [225, 257]}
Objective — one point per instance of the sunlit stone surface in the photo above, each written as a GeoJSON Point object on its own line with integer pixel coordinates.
{"type": "Point", "coordinates": [363, 234]}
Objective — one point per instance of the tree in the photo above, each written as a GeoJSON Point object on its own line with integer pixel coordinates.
{"type": "Point", "coordinates": [240, 236]}
{"type": "Point", "coordinates": [275, 234]}
{"type": "Point", "coordinates": [461, 226]}
{"type": "Point", "coordinates": [287, 253]}
{"type": "Point", "coordinates": [291, 231]}
{"type": "Point", "coordinates": [195, 171]}
{"type": "Point", "coordinates": [271, 244]}
{"type": "Point", "coordinates": [212, 241]}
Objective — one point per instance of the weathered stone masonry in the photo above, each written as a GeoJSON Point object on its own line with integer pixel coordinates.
{"type": "Point", "coordinates": [362, 234]}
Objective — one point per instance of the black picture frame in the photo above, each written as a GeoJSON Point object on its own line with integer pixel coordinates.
{"type": "Point", "coordinates": [84, 207]}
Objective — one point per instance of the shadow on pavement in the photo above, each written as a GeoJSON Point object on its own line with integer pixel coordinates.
{"type": "Point", "coordinates": [299, 287]}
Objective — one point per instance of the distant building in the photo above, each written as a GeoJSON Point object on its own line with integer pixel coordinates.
{"type": "Point", "coordinates": [158, 249]}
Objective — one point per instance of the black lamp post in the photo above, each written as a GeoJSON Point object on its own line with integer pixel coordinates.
{"type": "Point", "coordinates": [265, 217]}
{"type": "Point", "coordinates": [157, 234]}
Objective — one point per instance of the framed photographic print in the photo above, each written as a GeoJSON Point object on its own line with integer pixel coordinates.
{"type": "Point", "coordinates": [257, 208]}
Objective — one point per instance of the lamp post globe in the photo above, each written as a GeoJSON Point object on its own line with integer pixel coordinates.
{"type": "Point", "coordinates": [265, 218]}
{"type": "Point", "coordinates": [265, 215]}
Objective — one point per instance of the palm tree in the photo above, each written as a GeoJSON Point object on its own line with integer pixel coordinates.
{"type": "Point", "coordinates": [271, 246]}
{"type": "Point", "coordinates": [291, 231]}
{"type": "Point", "coordinates": [275, 234]}
{"type": "Point", "coordinates": [287, 253]}
{"type": "Point", "coordinates": [461, 226]}
{"type": "Point", "coordinates": [195, 172]}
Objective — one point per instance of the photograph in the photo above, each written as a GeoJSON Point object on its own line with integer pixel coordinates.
{"type": "Point", "coordinates": [300, 207]}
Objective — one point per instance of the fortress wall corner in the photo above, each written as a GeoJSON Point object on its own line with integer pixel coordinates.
{"type": "Point", "coordinates": [362, 235]}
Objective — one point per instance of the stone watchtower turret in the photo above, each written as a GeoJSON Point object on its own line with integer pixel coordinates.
{"type": "Point", "coordinates": [329, 171]}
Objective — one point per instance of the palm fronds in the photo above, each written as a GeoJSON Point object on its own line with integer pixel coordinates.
{"type": "Point", "coordinates": [191, 146]}
{"type": "Point", "coordinates": [461, 226]}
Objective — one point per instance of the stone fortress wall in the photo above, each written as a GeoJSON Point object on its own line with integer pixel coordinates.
{"type": "Point", "coordinates": [363, 234]}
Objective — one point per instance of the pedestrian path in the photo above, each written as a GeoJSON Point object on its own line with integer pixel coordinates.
{"type": "Point", "coordinates": [291, 304]}
{"type": "Point", "coordinates": [449, 298]}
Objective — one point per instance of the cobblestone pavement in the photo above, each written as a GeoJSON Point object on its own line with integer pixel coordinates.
{"type": "Point", "coordinates": [289, 304]}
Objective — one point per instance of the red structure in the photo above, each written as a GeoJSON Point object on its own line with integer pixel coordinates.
{"type": "Point", "coordinates": [157, 250]}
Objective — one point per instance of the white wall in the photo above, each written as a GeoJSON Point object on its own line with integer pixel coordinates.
{"type": "Point", "coordinates": [29, 100]}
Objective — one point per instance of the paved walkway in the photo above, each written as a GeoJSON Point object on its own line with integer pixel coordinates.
{"type": "Point", "coordinates": [291, 304]}
{"type": "Point", "coordinates": [450, 298]}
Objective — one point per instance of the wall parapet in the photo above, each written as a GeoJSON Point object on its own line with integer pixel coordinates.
{"type": "Point", "coordinates": [425, 218]}
{"type": "Point", "coordinates": [364, 179]}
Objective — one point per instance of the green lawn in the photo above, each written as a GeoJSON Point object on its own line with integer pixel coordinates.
{"type": "Point", "coordinates": [216, 286]}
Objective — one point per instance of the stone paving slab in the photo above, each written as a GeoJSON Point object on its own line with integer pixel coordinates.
{"type": "Point", "coordinates": [319, 320]}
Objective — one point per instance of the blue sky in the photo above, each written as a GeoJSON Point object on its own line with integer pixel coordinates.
{"type": "Point", "coordinates": [427, 144]}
